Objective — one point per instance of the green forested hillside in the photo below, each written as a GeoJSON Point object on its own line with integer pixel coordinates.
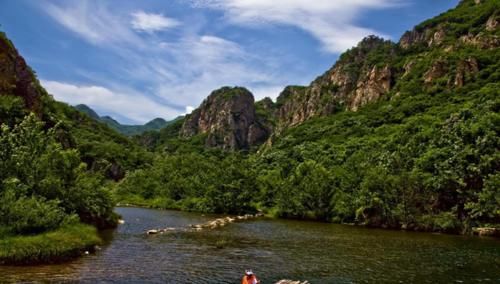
{"type": "Point", "coordinates": [395, 135]}
{"type": "Point", "coordinates": [55, 167]}
{"type": "Point", "coordinates": [423, 156]}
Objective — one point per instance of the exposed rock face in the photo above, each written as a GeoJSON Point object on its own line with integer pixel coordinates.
{"type": "Point", "coordinates": [370, 88]}
{"type": "Point", "coordinates": [351, 83]}
{"type": "Point", "coordinates": [481, 41]}
{"type": "Point", "coordinates": [297, 104]}
{"type": "Point", "coordinates": [427, 37]}
{"type": "Point", "coordinates": [228, 119]}
{"type": "Point", "coordinates": [367, 73]}
{"type": "Point", "coordinates": [492, 23]}
{"type": "Point", "coordinates": [16, 78]}
{"type": "Point", "coordinates": [408, 67]}
{"type": "Point", "coordinates": [265, 113]}
{"type": "Point", "coordinates": [437, 70]}
{"type": "Point", "coordinates": [434, 35]}
{"type": "Point", "coordinates": [437, 37]}
{"type": "Point", "coordinates": [465, 70]}
{"type": "Point", "coordinates": [411, 38]}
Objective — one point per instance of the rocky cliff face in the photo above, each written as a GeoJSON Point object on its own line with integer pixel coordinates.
{"type": "Point", "coordinates": [228, 119]}
{"type": "Point", "coordinates": [373, 69]}
{"type": "Point", "coordinates": [16, 78]}
{"type": "Point", "coordinates": [355, 80]}
{"type": "Point", "coordinates": [436, 32]}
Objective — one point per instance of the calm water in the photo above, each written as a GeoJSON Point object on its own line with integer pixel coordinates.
{"type": "Point", "coordinates": [274, 249]}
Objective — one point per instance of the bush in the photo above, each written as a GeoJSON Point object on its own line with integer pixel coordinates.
{"type": "Point", "coordinates": [31, 215]}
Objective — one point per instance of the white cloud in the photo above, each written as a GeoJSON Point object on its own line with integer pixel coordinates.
{"type": "Point", "coordinates": [133, 106]}
{"type": "Point", "coordinates": [177, 71]}
{"type": "Point", "coordinates": [200, 64]}
{"type": "Point", "coordinates": [94, 23]}
{"type": "Point", "coordinates": [332, 22]}
{"type": "Point", "coordinates": [189, 109]}
{"type": "Point", "coordinates": [149, 22]}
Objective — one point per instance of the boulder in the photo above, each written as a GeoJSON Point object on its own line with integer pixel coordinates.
{"type": "Point", "coordinates": [291, 282]}
{"type": "Point", "coordinates": [486, 232]}
{"type": "Point", "coordinates": [152, 232]}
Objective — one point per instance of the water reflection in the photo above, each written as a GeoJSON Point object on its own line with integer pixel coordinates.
{"type": "Point", "coordinates": [275, 249]}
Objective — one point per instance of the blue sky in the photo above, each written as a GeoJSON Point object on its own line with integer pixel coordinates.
{"type": "Point", "coordinates": [137, 60]}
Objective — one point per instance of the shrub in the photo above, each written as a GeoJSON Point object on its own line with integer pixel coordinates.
{"type": "Point", "coordinates": [31, 215]}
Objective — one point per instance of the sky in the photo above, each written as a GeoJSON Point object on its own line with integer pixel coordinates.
{"type": "Point", "coordinates": [138, 60]}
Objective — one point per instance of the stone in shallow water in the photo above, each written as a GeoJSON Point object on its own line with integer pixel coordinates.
{"type": "Point", "coordinates": [488, 232]}
{"type": "Point", "coordinates": [291, 282]}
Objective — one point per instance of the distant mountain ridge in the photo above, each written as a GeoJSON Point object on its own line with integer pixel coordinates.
{"type": "Point", "coordinates": [129, 130]}
{"type": "Point", "coordinates": [445, 53]}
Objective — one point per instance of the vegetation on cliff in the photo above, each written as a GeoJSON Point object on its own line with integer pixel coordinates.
{"type": "Point", "coordinates": [55, 165]}
{"type": "Point", "coordinates": [395, 135]}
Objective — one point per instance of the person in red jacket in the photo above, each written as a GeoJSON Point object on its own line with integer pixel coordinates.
{"type": "Point", "coordinates": [249, 278]}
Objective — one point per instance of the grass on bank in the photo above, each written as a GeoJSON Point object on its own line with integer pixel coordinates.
{"type": "Point", "coordinates": [59, 245]}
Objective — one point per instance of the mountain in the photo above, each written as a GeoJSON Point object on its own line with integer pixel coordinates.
{"type": "Point", "coordinates": [228, 119]}
{"type": "Point", "coordinates": [435, 51]}
{"type": "Point", "coordinates": [129, 130]}
{"type": "Point", "coordinates": [88, 111]}
{"type": "Point", "coordinates": [400, 135]}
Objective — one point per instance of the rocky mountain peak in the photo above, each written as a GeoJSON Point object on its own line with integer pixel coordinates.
{"type": "Point", "coordinates": [361, 75]}
{"type": "Point", "coordinates": [228, 119]}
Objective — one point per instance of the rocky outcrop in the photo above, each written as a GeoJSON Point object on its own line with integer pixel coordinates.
{"type": "Point", "coordinates": [427, 37]}
{"type": "Point", "coordinates": [228, 119]}
{"type": "Point", "coordinates": [466, 70]}
{"type": "Point", "coordinates": [437, 70]}
{"type": "Point", "coordinates": [492, 23]}
{"type": "Point", "coordinates": [437, 37]}
{"type": "Point", "coordinates": [17, 78]}
{"type": "Point", "coordinates": [371, 87]}
{"type": "Point", "coordinates": [436, 32]}
{"type": "Point", "coordinates": [486, 232]}
{"type": "Point", "coordinates": [408, 67]}
{"type": "Point", "coordinates": [210, 225]}
{"type": "Point", "coordinates": [297, 104]}
{"type": "Point", "coordinates": [411, 38]}
{"type": "Point", "coordinates": [351, 83]}
{"type": "Point", "coordinates": [481, 40]}
{"type": "Point", "coordinates": [364, 74]}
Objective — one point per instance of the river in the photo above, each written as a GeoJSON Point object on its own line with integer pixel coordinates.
{"type": "Point", "coordinates": [274, 249]}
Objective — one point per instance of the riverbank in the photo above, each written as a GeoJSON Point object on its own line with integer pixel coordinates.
{"type": "Point", "coordinates": [491, 230]}
{"type": "Point", "coordinates": [156, 203]}
{"type": "Point", "coordinates": [50, 247]}
{"type": "Point", "coordinates": [274, 249]}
